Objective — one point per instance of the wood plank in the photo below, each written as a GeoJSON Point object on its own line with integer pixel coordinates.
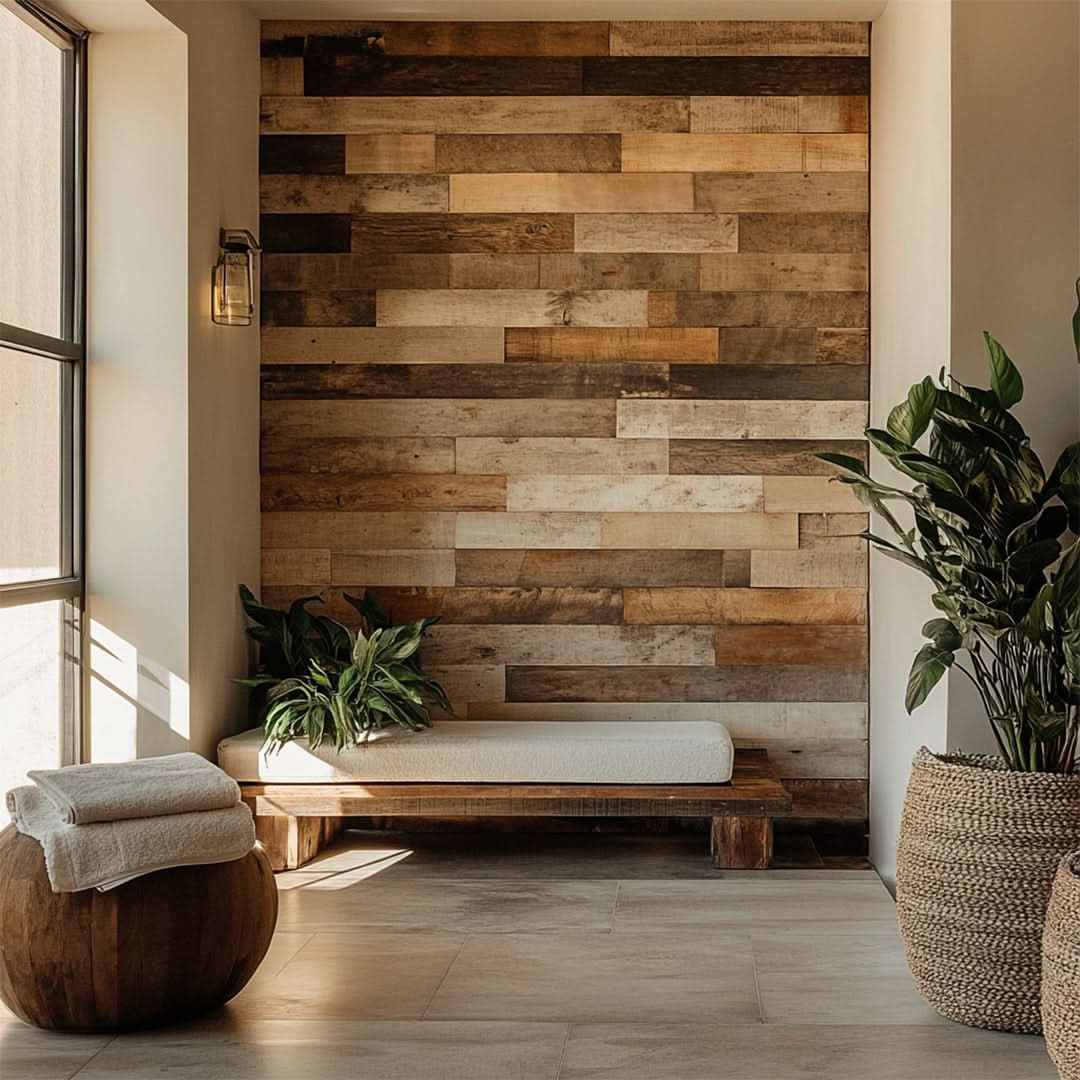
{"type": "Point", "coordinates": [842, 346]}
{"type": "Point", "coordinates": [813, 758]}
{"type": "Point", "coordinates": [505, 606]}
{"type": "Point", "coordinates": [784, 272]}
{"type": "Point", "coordinates": [834, 113]}
{"type": "Point", "coordinates": [503, 381]}
{"type": "Point", "coordinates": [804, 232]}
{"type": "Point", "coordinates": [739, 38]}
{"type": "Point", "coordinates": [746, 607]}
{"type": "Point", "coordinates": [398, 567]}
{"type": "Point", "coordinates": [428, 419]}
{"type": "Point", "coordinates": [741, 420]}
{"type": "Point", "coordinates": [812, 494]}
{"type": "Point", "coordinates": [368, 271]}
{"type": "Point", "coordinates": [315, 454]}
{"type": "Point", "coordinates": [744, 114]}
{"type": "Point", "coordinates": [528, 153]}
{"type": "Point", "coordinates": [656, 232]}
{"type": "Point", "coordinates": [736, 570]}
{"type": "Point", "coordinates": [741, 843]}
{"type": "Point", "coordinates": [473, 115]}
{"type": "Point", "coordinates": [768, 345]}
{"type": "Point", "coordinates": [782, 192]}
{"type": "Point", "coordinates": [562, 456]}
{"type": "Point", "coordinates": [360, 491]}
{"type": "Point", "coordinates": [793, 309]}
{"type": "Point", "coordinates": [722, 75]}
{"type": "Point", "coordinates": [479, 683]}
{"type": "Point", "coordinates": [281, 75]}
{"type": "Point", "coordinates": [819, 529]}
{"type": "Point", "coordinates": [684, 682]}
{"type": "Point", "coordinates": [341, 307]}
{"type": "Point", "coordinates": [382, 345]}
{"type": "Point", "coordinates": [619, 271]}
{"type": "Point", "coordinates": [826, 645]}
{"type": "Point", "coordinates": [649, 494]}
{"type": "Point", "coordinates": [489, 271]}
{"type": "Point", "coordinates": [389, 153]}
{"type": "Point", "coordinates": [369, 73]}
{"type": "Point", "coordinates": [545, 645]}
{"type": "Point", "coordinates": [808, 382]}
{"type": "Point", "coordinates": [527, 531]}
{"type": "Point", "coordinates": [407, 529]}
{"type": "Point", "coordinates": [655, 712]}
{"type": "Point", "coordinates": [287, 566]}
{"type": "Point", "coordinates": [594, 569]}
{"type": "Point", "coordinates": [832, 800]}
{"type": "Point", "coordinates": [835, 565]}
{"type": "Point", "coordinates": [305, 232]}
{"type": "Point", "coordinates": [562, 192]}
{"type": "Point", "coordinates": [586, 345]}
{"type": "Point", "coordinates": [374, 193]}
{"type": "Point", "coordinates": [517, 307]}
{"type": "Point", "coordinates": [433, 233]}
{"type": "Point", "coordinates": [760, 457]}
{"type": "Point", "coordinates": [491, 38]}
{"type": "Point", "coordinates": [310, 154]}
{"type": "Point", "coordinates": [685, 531]}
{"type": "Point", "coordinates": [707, 152]}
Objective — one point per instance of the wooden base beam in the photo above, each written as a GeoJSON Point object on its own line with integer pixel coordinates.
{"type": "Point", "coordinates": [292, 841]}
{"type": "Point", "coordinates": [741, 843]}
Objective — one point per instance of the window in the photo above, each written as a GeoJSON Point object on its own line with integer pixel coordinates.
{"type": "Point", "coordinates": [42, 129]}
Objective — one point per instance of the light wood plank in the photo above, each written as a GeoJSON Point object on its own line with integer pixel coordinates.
{"type": "Point", "coordinates": [834, 113]}
{"type": "Point", "coordinates": [294, 566]}
{"type": "Point", "coordinates": [434, 418]}
{"type": "Point", "coordinates": [472, 115]}
{"type": "Point", "coordinates": [399, 567]}
{"type": "Point", "coordinates": [827, 645]}
{"type": "Point", "coordinates": [707, 531]}
{"type": "Point", "coordinates": [782, 192]}
{"type": "Point", "coordinates": [382, 345]}
{"type": "Point", "coordinates": [739, 38]}
{"type": "Point", "coordinates": [484, 270]}
{"type": "Point", "coordinates": [832, 565]}
{"type": "Point", "coordinates": [589, 345]}
{"type": "Point", "coordinates": [814, 758]}
{"type": "Point", "coordinates": [649, 494]}
{"type": "Point", "coordinates": [739, 152]}
{"type": "Point", "coordinates": [518, 307]}
{"type": "Point", "coordinates": [656, 232]}
{"type": "Point", "coordinates": [659, 419]}
{"type": "Point", "coordinates": [557, 645]}
{"type": "Point", "coordinates": [282, 75]}
{"type": "Point", "coordinates": [562, 456]}
{"type": "Point", "coordinates": [408, 529]}
{"type": "Point", "coordinates": [812, 494]}
{"type": "Point", "coordinates": [658, 712]}
{"type": "Point", "coordinates": [390, 153]}
{"type": "Point", "coordinates": [785, 272]}
{"type": "Point", "coordinates": [555, 192]}
{"type": "Point", "coordinates": [817, 607]}
{"type": "Point", "coordinates": [385, 193]}
{"type": "Point", "coordinates": [820, 529]}
{"type": "Point", "coordinates": [744, 114]}
{"type": "Point", "coordinates": [528, 531]}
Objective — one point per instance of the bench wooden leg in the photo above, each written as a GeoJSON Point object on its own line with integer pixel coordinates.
{"type": "Point", "coordinates": [292, 841]}
{"type": "Point", "coordinates": [741, 843]}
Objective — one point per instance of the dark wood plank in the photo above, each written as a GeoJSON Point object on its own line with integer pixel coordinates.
{"type": "Point", "coordinates": [791, 309]}
{"type": "Point", "coordinates": [768, 345]}
{"type": "Point", "coordinates": [366, 270]}
{"type": "Point", "coordinates": [829, 800]}
{"type": "Point", "coordinates": [305, 232]}
{"type": "Point", "coordinates": [726, 75]}
{"type": "Point", "coordinates": [612, 569]}
{"type": "Point", "coordinates": [837, 346]}
{"type": "Point", "coordinates": [318, 454]}
{"type": "Point", "coordinates": [342, 308]}
{"type": "Point", "coordinates": [337, 381]}
{"type": "Point", "coordinates": [431, 233]}
{"type": "Point", "coordinates": [644, 683]}
{"type": "Point", "coordinates": [280, 47]}
{"type": "Point", "coordinates": [374, 74]}
{"type": "Point", "coordinates": [635, 270]}
{"type": "Point", "coordinates": [362, 491]}
{"type": "Point", "coordinates": [756, 457]}
{"type": "Point", "coordinates": [804, 232]}
{"type": "Point", "coordinates": [310, 154]}
{"type": "Point", "coordinates": [741, 843]}
{"type": "Point", "coordinates": [527, 153]}
{"type": "Point", "coordinates": [811, 382]}
{"type": "Point", "coordinates": [777, 192]}
{"type": "Point", "coordinates": [511, 606]}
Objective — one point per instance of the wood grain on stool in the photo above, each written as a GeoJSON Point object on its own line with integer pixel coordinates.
{"type": "Point", "coordinates": [160, 949]}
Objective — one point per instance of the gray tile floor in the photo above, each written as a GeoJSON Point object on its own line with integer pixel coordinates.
{"type": "Point", "coordinates": [471, 957]}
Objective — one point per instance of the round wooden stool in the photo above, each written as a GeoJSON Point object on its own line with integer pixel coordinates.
{"type": "Point", "coordinates": [159, 949]}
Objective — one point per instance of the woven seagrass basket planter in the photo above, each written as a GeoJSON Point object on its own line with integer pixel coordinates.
{"type": "Point", "coordinates": [979, 847]}
{"type": "Point", "coordinates": [1061, 969]}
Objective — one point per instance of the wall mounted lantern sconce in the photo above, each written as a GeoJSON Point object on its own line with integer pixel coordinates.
{"type": "Point", "coordinates": [232, 290]}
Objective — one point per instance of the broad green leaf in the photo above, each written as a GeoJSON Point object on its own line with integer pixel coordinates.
{"type": "Point", "coordinates": [1005, 380]}
{"type": "Point", "coordinates": [845, 461]}
{"type": "Point", "coordinates": [910, 418]}
{"type": "Point", "coordinates": [943, 634]}
{"type": "Point", "coordinates": [930, 664]}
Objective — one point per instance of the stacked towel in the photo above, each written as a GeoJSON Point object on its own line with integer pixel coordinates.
{"type": "Point", "coordinates": [102, 825]}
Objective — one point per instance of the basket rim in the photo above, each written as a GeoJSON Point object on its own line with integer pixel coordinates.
{"type": "Point", "coordinates": [985, 766]}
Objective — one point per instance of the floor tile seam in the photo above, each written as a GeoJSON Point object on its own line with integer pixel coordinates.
{"type": "Point", "coordinates": [93, 1057]}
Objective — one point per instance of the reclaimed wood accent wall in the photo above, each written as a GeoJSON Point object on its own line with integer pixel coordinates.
{"type": "Point", "coordinates": [555, 318]}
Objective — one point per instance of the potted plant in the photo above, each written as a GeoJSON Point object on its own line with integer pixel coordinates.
{"type": "Point", "coordinates": [981, 836]}
{"type": "Point", "coordinates": [319, 680]}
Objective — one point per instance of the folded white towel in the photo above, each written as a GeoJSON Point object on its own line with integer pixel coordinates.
{"type": "Point", "coordinates": [104, 854]}
{"type": "Point", "coordinates": [174, 784]}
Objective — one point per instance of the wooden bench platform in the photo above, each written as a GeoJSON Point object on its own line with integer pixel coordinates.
{"type": "Point", "coordinates": [295, 821]}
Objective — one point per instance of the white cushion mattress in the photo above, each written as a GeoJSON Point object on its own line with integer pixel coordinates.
{"type": "Point", "coordinates": [492, 752]}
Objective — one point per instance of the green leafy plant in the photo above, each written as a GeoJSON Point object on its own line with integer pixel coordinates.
{"type": "Point", "coordinates": [321, 680]}
{"type": "Point", "coordinates": [996, 538]}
